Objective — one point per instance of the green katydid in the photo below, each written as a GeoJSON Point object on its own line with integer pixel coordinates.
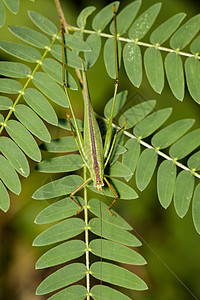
{"type": "Point", "coordinates": [94, 155]}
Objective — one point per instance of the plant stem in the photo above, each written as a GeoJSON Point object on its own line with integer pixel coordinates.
{"type": "Point", "coordinates": [86, 235]}
{"type": "Point", "coordinates": [127, 40]}
{"type": "Point", "coordinates": [146, 145]}
{"type": "Point", "coordinates": [30, 77]}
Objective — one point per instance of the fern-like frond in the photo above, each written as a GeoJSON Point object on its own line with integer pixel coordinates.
{"type": "Point", "coordinates": [170, 30]}
{"type": "Point", "coordinates": [38, 86]}
{"type": "Point", "coordinates": [47, 89]}
{"type": "Point", "coordinates": [180, 144]}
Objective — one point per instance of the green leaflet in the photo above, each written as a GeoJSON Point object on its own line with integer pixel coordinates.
{"type": "Point", "coordinates": [9, 176]}
{"type": "Point", "coordinates": [117, 151]}
{"type": "Point", "coordinates": [119, 103]}
{"type": "Point", "coordinates": [42, 106]}
{"type": "Point", "coordinates": [145, 168]}
{"type": "Point", "coordinates": [94, 41]}
{"type": "Point", "coordinates": [144, 22]}
{"type": "Point", "coordinates": [13, 6]}
{"type": "Point", "coordinates": [59, 187]}
{"type": "Point", "coordinates": [119, 170]}
{"type": "Point", "coordinates": [109, 58]}
{"type": "Point", "coordinates": [166, 182]}
{"type": "Point", "coordinates": [14, 69]}
{"type": "Point", "coordinates": [117, 275]}
{"type": "Point", "coordinates": [75, 292]}
{"type": "Point", "coordinates": [61, 278]}
{"type": "Point", "coordinates": [128, 13]}
{"type": "Point", "coordinates": [154, 68]}
{"type": "Point", "coordinates": [61, 254]}
{"type": "Point", "coordinates": [65, 163]}
{"type": "Point", "coordinates": [84, 14]}
{"type": "Point", "coordinates": [73, 60]}
{"type": "Point", "coordinates": [15, 156]}
{"type": "Point", "coordinates": [43, 23]}
{"type": "Point", "coordinates": [1, 119]}
{"type": "Point", "coordinates": [60, 145]}
{"type": "Point", "coordinates": [183, 192]}
{"type": "Point", "coordinates": [64, 124]}
{"type": "Point", "coordinates": [195, 46]}
{"type": "Point", "coordinates": [10, 86]}
{"type": "Point", "coordinates": [23, 52]}
{"type": "Point", "coordinates": [136, 113]}
{"type": "Point", "coordinates": [194, 161]}
{"type": "Point", "coordinates": [124, 191]}
{"type": "Point", "coordinates": [152, 122]}
{"type": "Point", "coordinates": [2, 14]}
{"type": "Point", "coordinates": [50, 88]}
{"type": "Point", "coordinates": [23, 139]}
{"type": "Point", "coordinates": [107, 293]}
{"type": "Point", "coordinates": [185, 145]}
{"type": "Point", "coordinates": [104, 16]}
{"type": "Point", "coordinates": [63, 230]}
{"type": "Point", "coordinates": [116, 252]}
{"type": "Point", "coordinates": [175, 74]}
{"type": "Point", "coordinates": [192, 71]}
{"type": "Point", "coordinates": [112, 232]}
{"type": "Point", "coordinates": [32, 122]}
{"type": "Point", "coordinates": [75, 43]}
{"type": "Point", "coordinates": [30, 36]}
{"type": "Point", "coordinates": [54, 70]}
{"type": "Point", "coordinates": [59, 210]}
{"type": "Point", "coordinates": [5, 103]}
{"type": "Point", "coordinates": [185, 33]}
{"type": "Point", "coordinates": [79, 35]}
{"type": "Point", "coordinates": [5, 199]}
{"type": "Point", "coordinates": [131, 156]}
{"type": "Point", "coordinates": [165, 30]}
{"type": "Point", "coordinates": [133, 63]}
{"type": "Point", "coordinates": [196, 208]}
{"type": "Point", "coordinates": [168, 135]}
{"type": "Point", "coordinates": [118, 221]}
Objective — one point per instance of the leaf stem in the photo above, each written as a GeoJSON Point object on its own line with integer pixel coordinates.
{"type": "Point", "coordinates": [165, 156]}
{"type": "Point", "coordinates": [30, 77]}
{"type": "Point", "coordinates": [127, 40]}
{"type": "Point", "coordinates": [87, 258]}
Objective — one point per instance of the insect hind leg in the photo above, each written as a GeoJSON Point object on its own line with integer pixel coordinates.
{"type": "Point", "coordinates": [114, 193]}
{"type": "Point", "coordinates": [78, 189]}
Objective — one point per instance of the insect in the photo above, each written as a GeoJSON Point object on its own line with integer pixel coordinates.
{"type": "Point", "coordinates": [94, 154]}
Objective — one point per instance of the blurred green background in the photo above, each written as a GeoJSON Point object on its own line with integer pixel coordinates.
{"type": "Point", "coordinates": [173, 239]}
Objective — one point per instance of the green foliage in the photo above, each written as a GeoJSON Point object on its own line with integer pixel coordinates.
{"type": "Point", "coordinates": [12, 5]}
{"type": "Point", "coordinates": [137, 148]}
